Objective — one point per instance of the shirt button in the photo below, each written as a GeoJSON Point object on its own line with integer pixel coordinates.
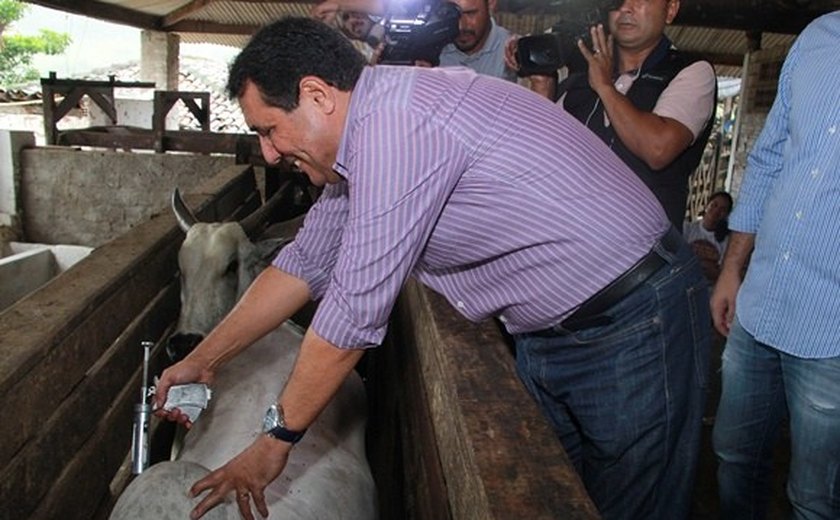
{"type": "Point", "coordinates": [832, 130]}
{"type": "Point", "coordinates": [461, 305]}
{"type": "Point", "coordinates": [502, 319]}
{"type": "Point", "coordinates": [799, 215]}
{"type": "Point", "coordinates": [815, 173]}
{"type": "Point", "coordinates": [786, 256]}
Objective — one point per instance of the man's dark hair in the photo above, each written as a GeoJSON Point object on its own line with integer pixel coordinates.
{"type": "Point", "coordinates": [722, 228]}
{"type": "Point", "coordinates": [283, 52]}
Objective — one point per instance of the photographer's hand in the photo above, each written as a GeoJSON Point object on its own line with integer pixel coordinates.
{"type": "Point", "coordinates": [599, 59]}
{"type": "Point", "coordinates": [543, 85]}
{"type": "Point", "coordinates": [510, 52]}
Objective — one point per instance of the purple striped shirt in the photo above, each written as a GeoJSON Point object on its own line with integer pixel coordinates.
{"type": "Point", "coordinates": [487, 193]}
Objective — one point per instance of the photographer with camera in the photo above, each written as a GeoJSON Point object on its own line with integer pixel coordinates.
{"type": "Point", "coordinates": [480, 44]}
{"type": "Point", "coordinates": [652, 104]}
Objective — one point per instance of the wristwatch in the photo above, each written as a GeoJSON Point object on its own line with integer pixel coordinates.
{"type": "Point", "coordinates": [274, 425]}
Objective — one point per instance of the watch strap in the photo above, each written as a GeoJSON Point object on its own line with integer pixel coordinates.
{"type": "Point", "coordinates": [284, 434]}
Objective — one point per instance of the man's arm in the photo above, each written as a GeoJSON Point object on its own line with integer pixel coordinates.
{"type": "Point", "coordinates": [735, 260]}
{"type": "Point", "coordinates": [269, 301]}
{"type": "Point", "coordinates": [654, 138]}
{"type": "Point", "coordinates": [319, 371]}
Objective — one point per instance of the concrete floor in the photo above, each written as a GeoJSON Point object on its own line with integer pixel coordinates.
{"type": "Point", "coordinates": [706, 504]}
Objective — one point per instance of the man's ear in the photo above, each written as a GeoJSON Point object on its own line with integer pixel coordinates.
{"type": "Point", "coordinates": [316, 91]}
{"type": "Point", "coordinates": [673, 8]}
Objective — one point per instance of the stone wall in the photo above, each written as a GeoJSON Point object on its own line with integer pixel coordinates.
{"type": "Point", "coordinates": [87, 198]}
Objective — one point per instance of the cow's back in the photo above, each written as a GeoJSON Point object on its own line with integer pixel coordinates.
{"type": "Point", "coordinates": [327, 475]}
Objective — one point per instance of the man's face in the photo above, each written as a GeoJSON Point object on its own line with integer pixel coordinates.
{"type": "Point", "coordinates": [301, 137]}
{"type": "Point", "coordinates": [474, 24]}
{"type": "Point", "coordinates": [639, 24]}
{"type": "Point", "coordinates": [716, 210]}
{"type": "Point", "coordinates": [355, 24]}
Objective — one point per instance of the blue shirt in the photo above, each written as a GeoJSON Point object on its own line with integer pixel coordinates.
{"type": "Point", "coordinates": [521, 218]}
{"type": "Point", "coordinates": [790, 200]}
{"type": "Point", "coordinates": [489, 60]}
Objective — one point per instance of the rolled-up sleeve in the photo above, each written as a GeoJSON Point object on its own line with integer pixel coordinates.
{"type": "Point", "coordinates": [312, 255]}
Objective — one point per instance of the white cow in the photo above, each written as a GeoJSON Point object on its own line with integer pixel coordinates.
{"type": "Point", "coordinates": [327, 475]}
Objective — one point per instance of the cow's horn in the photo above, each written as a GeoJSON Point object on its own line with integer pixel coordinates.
{"type": "Point", "coordinates": [183, 215]}
{"type": "Point", "coordinates": [253, 223]}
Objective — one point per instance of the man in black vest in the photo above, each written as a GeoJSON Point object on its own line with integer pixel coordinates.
{"type": "Point", "coordinates": [652, 104]}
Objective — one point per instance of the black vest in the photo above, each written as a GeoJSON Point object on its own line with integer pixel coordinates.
{"type": "Point", "coordinates": [670, 184]}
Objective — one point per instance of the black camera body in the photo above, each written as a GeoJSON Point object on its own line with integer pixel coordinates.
{"type": "Point", "coordinates": [545, 53]}
{"type": "Point", "coordinates": [421, 33]}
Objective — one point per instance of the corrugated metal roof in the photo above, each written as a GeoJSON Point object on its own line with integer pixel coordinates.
{"type": "Point", "coordinates": [231, 22]}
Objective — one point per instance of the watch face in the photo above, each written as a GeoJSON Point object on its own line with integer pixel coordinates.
{"type": "Point", "coordinates": [270, 420]}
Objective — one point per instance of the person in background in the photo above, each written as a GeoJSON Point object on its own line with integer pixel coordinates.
{"type": "Point", "coordinates": [708, 235]}
{"type": "Point", "coordinates": [782, 354]}
{"type": "Point", "coordinates": [435, 174]}
{"type": "Point", "coordinates": [354, 19]}
{"type": "Point", "coordinates": [480, 44]}
{"type": "Point", "coordinates": [652, 104]}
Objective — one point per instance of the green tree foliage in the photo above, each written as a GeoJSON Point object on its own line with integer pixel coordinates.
{"type": "Point", "coordinates": [16, 51]}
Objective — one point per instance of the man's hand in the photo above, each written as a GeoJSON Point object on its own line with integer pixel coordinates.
{"type": "Point", "coordinates": [187, 371]}
{"type": "Point", "coordinates": [735, 262]}
{"type": "Point", "coordinates": [723, 300]}
{"type": "Point", "coordinates": [510, 52]}
{"type": "Point", "coordinates": [599, 58]}
{"type": "Point", "coordinates": [246, 475]}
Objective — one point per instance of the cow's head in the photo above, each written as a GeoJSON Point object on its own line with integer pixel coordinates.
{"type": "Point", "coordinates": [217, 262]}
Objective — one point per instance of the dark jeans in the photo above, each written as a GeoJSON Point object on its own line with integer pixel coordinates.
{"type": "Point", "coordinates": [760, 386]}
{"type": "Point", "coordinates": [626, 399]}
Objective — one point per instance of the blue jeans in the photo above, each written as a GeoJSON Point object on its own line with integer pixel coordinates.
{"type": "Point", "coordinates": [626, 399]}
{"type": "Point", "coordinates": [760, 386]}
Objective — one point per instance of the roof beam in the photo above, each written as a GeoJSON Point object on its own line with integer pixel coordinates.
{"type": "Point", "coordinates": [183, 12]}
{"type": "Point", "coordinates": [104, 11]}
{"type": "Point", "coordinates": [200, 26]}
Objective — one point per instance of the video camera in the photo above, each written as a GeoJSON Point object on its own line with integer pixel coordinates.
{"type": "Point", "coordinates": [419, 32]}
{"type": "Point", "coordinates": [545, 53]}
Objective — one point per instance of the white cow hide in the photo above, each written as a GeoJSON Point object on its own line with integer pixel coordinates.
{"type": "Point", "coordinates": [327, 475]}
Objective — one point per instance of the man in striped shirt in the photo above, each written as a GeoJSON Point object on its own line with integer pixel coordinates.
{"type": "Point", "coordinates": [435, 173]}
{"type": "Point", "coordinates": [782, 355]}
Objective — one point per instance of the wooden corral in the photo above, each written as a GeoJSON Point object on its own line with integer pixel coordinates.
{"type": "Point", "coordinates": [70, 361]}
{"type": "Point", "coordinates": [452, 432]}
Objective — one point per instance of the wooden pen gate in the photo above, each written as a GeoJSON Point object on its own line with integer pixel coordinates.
{"type": "Point", "coordinates": [452, 432]}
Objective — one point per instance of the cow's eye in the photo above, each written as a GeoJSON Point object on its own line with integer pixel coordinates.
{"type": "Point", "coordinates": [232, 267]}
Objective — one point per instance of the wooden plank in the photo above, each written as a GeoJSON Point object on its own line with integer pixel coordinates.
{"type": "Point", "coordinates": [95, 461]}
{"type": "Point", "coordinates": [49, 340]}
{"type": "Point", "coordinates": [403, 450]}
{"type": "Point", "coordinates": [52, 337]}
{"type": "Point", "coordinates": [500, 457]}
{"type": "Point", "coordinates": [66, 430]}
{"type": "Point", "coordinates": [80, 353]}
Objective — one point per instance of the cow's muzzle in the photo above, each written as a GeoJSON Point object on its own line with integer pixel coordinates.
{"type": "Point", "coordinates": [181, 344]}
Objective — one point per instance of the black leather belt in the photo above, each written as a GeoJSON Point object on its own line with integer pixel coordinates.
{"type": "Point", "coordinates": [591, 312]}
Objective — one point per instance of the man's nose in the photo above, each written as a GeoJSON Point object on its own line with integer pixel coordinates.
{"type": "Point", "coordinates": [269, 152]}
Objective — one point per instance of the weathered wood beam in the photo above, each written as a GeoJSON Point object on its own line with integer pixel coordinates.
{"type": "Point", "coordinates": [740, 15]}
{"type": "Point", "coordinates": [104, 11]}
{"type": "Point", "coordinates": [744, 18]}
{"type": "Point", "coordinates": [183, 12]}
